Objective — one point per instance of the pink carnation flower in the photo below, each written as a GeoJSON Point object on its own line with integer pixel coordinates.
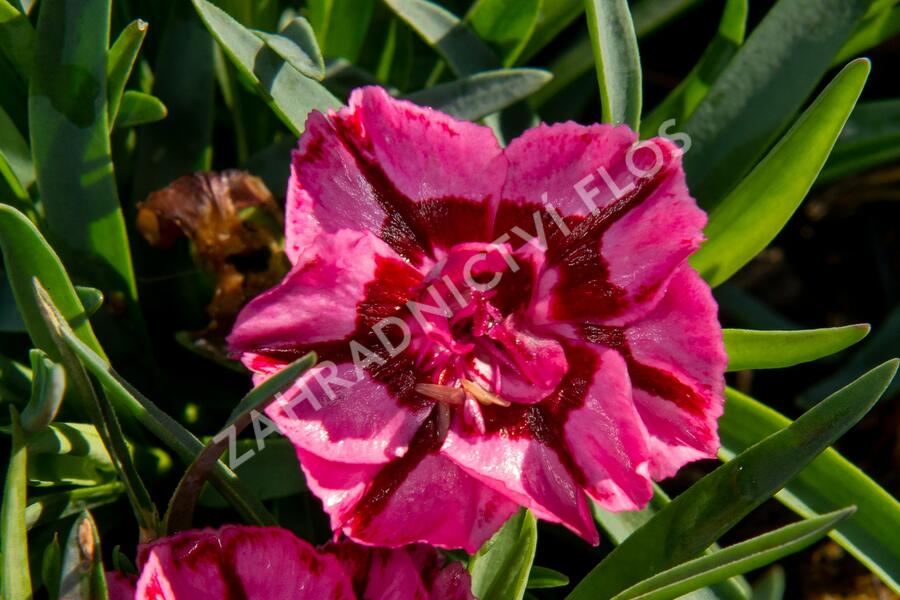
{"type": "Point", "coordinates": [498, 327]}
{"type": "Point", "coordinates": [267, 563]}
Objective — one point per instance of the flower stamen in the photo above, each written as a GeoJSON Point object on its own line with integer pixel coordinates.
{"type": "Point", "coordinates": [482, 395]}
{"type": "Point", "coordinates": [441, 393]}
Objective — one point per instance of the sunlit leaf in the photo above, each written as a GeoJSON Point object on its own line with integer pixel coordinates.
{"type": "Point", "coordinates": [754, 349]}
{"type": "Point", "coordinates": [138, 108]}
{"type": "Point", "coordinates": [120, 63]}
{"type": "Point", "coordinates": [15, 580]}
{"type": "Point", "coordinates": [501, 567]}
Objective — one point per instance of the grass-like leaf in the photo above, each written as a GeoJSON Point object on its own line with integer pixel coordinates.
{"type": "Point", "coordinates": [759, 92]}
{"type": "Point", "coordinates": [829, 482]}
{"type": "Point", "coordinates": [16, 167]}
{"type": "Point", "coordinates": [48, 385]}
{"type": "Point", "coordinates": [734, 560]}
{"type": "Point", "coordinates": [500, 569]}
{"type": "Point", "coordinates": [680, 103]}
{"type": "Point", "coordinates": [15, 580]}
{"type": "Point", "coordinates": [68, 120]}
{"type": "Point", "coordinates": [16, 38]}
{"type": "Point", "coordinates": [872, 31]}
{"type": "Point", "coordinates": [505, 25]}
{"type": "Point", "coordinates": [710, 507]}
{"type": "Point", "coordinates": [754, 349]}
{"type": "Point", "coordinates": [289, 93]}
{"type": "Point", "coordinates": [59, 505]}
{"type": "Point", "coordinates": [617, 60]}
{"type": "Point", "coordinates": [756, 210]}
{"type": "Point", "coordinates": [870, 138]}
{"type": "Point", "coordinates": [341, 25]}
{"type": "Point", "coordinates": [138, 108]}
{"type": "Point", "coordinates": [479, 95]}
{"type": "Point", "coordinates": [542, 578]}
{"type": "Point", "coordinates": [120, 62]}
{"type": "Point", "coordinates": [296, 43]}
{"type": "Point", "coordinates": [463, 50]}
{"type": "Point", "coordinates": [770, 586]}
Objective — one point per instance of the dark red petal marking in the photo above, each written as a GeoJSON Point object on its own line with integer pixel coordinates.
{"type": "Point", "coordinates": [427, 441]}
{"type": "Point", "coordinates": [206, 550]}
{"type": "Point", "coordinates": [415, 229]}
{"type": "Point", "coordinates": [652, 380]}
{"type": "Point", "coordinates": [585, 291]}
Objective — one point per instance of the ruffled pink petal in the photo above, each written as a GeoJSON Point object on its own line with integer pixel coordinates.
{"type": "Point", "coordinates": [378, 573]}
{"type": "Point", "coordinates": [420, 497]}
{"type": "Point", "coordinates": [417, 177]}
{"type": "Point", "coordinates": [238, 562]}
{"type": "Point", "coordinates": [344, 415]}
{"type": "Point", "coordinates": [319, 300]}
{"type": "Point", "coordinates": [679, 391]}
{"type": "Point", "coordinates": [631, 224]}
{"type": "Point", "coordinates": [608, 440]}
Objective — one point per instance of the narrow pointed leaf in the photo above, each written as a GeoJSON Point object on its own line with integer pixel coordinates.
{"type": "Point", "coordinates": [870, 138]}
{"type": "Point", "coordinates": [170, 431]}
{"type": "Point", "coordinates": [734, 560]}
{"type": "Point", "coordinates": [179, 516]}
{"type": "Point", "coordinates": [341, 25]}
{"type": "Point", "coordinates": [52, 507]}
{"type": "Point", "coordinates": [681, 102]}
{"type": "Point", "coordinates": [829, 482]}
{"type": "Point", "coordinates": [15, 580]}
{"type": "Point", "coordinates": [67, 109]}
{"type": "Point", "coordinates": [51, 565]}
{"type": "Point", "coordinates": [48, 385]}
{"type": "Point", "coordinates": [120, 62]}
{"type": "Point", "coordinates": [770, 586]}
{"type": "Point", "coordinates": [756, 210]}
{"type": "Point", "coordinates": [713, 505]}
{"type": "Point", "coordinates": [289, 93]}
{"type": "Point", "coordinates": [752, 349]}
{"type": "Point", "coordinates": [296, 44]}
{"type": "Point", "coordinates": [505, 25]}
{"type": "Point", "coordinates": [138, 108]}
{"type": "Point", "coordinates": [91, 299]}
{"type": "Point", "coordinates": [16, 38]}
{"type": "Point", "coordinates": [463, 50]}
{"type": "Point", "coordinates": [474, 97]}
{"type": "Point", "coordinates": [761, 90]}
{"type": "Point", "coordinates": [541, 578]}
{"type": "Point", "coordinates": [15, 158]}
{"type": "Point", "coordinates": [501, 567]}
{"type": "Point", "coordinates": [617, 60]}
{"type": "Point", "coordinates": [871, 32]}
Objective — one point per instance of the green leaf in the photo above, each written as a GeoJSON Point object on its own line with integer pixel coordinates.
{"type": "Point", "coordinates": [829, 482]}
{"type": "Point", "coordinates": [501, 567]}
{"type": "Point", "coordinates": [15, 158]}
{"type": "Point", "coordinates": [51, 566]}
{"type": "Point", "coordinates": [871, 32]}
{"type": "Point", "coordinates": [104, 418]}
{"type": "Point", "coordinates": [91, 299]}
{"type": "Point", "coordinates": [770, 586]}
{"type": "Point", "coordinates": [710, 507]}
{"type": "Point", "coordinates": [67, 112]}
{"type": "Point", "coordinates": [681, 102]}
{"type": "Point", "coordinates": [870, 138]}
{"type": "Point", "coordinates": [505, 25]}
{"type": "Point", "coordinates": [16, 38]}
{"type": "Point", "coordinates": [48, 385]}
{"type": "Point", "coordinates": [555, 15]}
{"type": "Point", "coordinates": [752, 349]}
{"type": "Point", "coordinates": [734, 560]}
{"type": "Point", "coordinates": [138, 108]}
{"type": "Point", "coordinates": [26, 254]}
{"type": "Point", "coordinates": [756, 210]}
{"type": "Point", "coordinates": [289, 93]}
{"type": "Point", "coordinates": [52, 507]}
{"type": "Point", "coordinates": [15, 580]}
{"type": "Point", "coordinates": [82, 564]}
{"type": "Point", "coordinates": [296, 44]}
{"type": "Point", "coordinates": [341, 25]}
{"type": "Point", "coordinates": [619, 525]}
{"type": "Point", "coordinates": [617, 60]}
{"type": "Point", "coordinates": [179, 516]}
{"type": "Point", "coordinates": [170, 431]}
{"type": "Point", "coordinates": [476, 96]}
{"type": "Point", "coordinates": [759, 92]}
{"type": "Point", "coordinates": [119, 63]}
{"type": "Point", "coordinates": [463, 50]}
{"type": "Point", "coordinates": [540, 578]}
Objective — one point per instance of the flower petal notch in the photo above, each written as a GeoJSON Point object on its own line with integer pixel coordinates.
{"type": "Point", "coordinates": [498, 327]}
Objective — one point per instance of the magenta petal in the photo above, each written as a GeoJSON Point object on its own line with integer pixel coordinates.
{"type": "Point", "coordinates": [322, 290]}
{"type": "Point", "coordinates": [363, 423]}
{"type": "Point", "coordinates": [682, 340]}
{"type": "Point", "coordinates": [120, 586]}
{"type": "Point", "coordinates": [433, 502]}
{"type": "Point", "coordinates": [608, 440]}
{"type": "Point", "coordinates": [257, 563]}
